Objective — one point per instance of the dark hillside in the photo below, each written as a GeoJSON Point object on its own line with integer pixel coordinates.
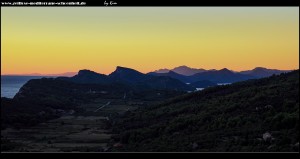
{"type": "Point", "coordinates": [255, 115]}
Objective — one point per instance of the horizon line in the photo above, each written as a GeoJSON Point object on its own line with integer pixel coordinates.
{"type": "Point", "coordinates": [76, 72]}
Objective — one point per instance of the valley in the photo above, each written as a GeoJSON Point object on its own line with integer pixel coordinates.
{"type": "Point", "coordinates": [86, 131]}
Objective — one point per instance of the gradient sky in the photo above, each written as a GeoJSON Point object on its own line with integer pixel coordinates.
{"type": "Point", "coordinates": [64, 39]}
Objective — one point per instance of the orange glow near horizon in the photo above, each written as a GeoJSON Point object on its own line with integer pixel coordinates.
{"type": "Point", "coordinates": [63, 39]}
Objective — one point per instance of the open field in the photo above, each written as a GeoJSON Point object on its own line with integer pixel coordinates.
{"type": "Point", "coordinates": [67, 133]}
{"type": "Point", "coordinates": [81, 131]}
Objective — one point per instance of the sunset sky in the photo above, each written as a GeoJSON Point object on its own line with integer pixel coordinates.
{"type": "Point", "coordinates": [64, 39]}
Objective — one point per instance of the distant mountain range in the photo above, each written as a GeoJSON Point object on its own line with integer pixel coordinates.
{"type": "Point", "coordinates": [183, 70]}
{"type": "Point", "coordinates": [179, 72]}
{"type": "Point", "coordinates": [256, 72]}
{"type": "Point", "coordinates": [181, 78]}
{"type": "Point", "coordinates": [263, 72]}
{"type": "Point", "coordinates": [219, 76]}
{"type": "Point", "coordinates": [170, 80]}
{"type": "Point", "coordinates": [128, 76]}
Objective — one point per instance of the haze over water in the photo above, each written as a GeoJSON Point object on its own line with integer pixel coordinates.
{"type": "Point", "coordinates": [10, 85]}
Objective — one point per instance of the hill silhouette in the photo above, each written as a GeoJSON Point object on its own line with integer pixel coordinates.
{"type": "Point", "coordinates": [263, 72]}
{"type": "Point", "coordinates": [255, 115]}
{"type": "Point", "coordinates": [223, 76]}
{"type": "Point", "coordinates": [128, 76]}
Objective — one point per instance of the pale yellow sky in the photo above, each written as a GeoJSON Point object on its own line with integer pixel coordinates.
{"type": "Point", "coordinates": [58, 39]}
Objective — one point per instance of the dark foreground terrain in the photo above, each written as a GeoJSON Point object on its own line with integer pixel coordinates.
{"type": "Point", "coordinates": [72, 132]}
{"type": "Point", "coordinates": [60, 115]}
{"type": "Point", "coordinates": [255, 115]}
{"type": "Point", "coordinates": [81, 126]}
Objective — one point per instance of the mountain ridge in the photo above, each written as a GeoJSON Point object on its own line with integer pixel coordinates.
{"type": "Point", "coordinates": [128, 76]}
{"type": "Point", "coordinates": [200, 70]}
{"type": "Point", "coordinates": [263, 72]}
{"type": "Point", "coordinates": [224, 75]}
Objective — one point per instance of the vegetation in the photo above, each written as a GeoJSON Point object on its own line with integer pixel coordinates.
{"type": "Point", "coordinates": [42, 99]}
{"type": "Point", "coordinates": [254, 115]}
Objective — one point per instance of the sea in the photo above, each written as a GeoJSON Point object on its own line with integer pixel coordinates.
{"type": "Point", "coordinates": [200, 89]}
{"type": "Point", "coordinates": [10, 85]}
